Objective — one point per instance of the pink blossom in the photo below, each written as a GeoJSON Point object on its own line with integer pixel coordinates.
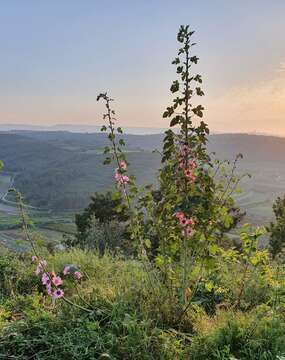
{"type": "Point", "coordinates": [188, 232]}
{"type": "Point", "coordinates": [125, 179]}
{"type": "Point", "coordinates": [183, 221]}
{"type": "Point", "coordinates": [179, 215]}
{"type": "Point", "coordinates": [66, 270]}
{"type": "Point", "coordinates": [189, 174]}
{"type": "Point", "coordinates": [45, 279]}
{"type": "Point", "coordinates": [58, 293]}
{"type": "Point", "coordinates": [38, 270]}
{"type": "Point", "coordinates": [123, 165]}
{"type": "Point", "coordinates": [190, 222]}
{"type": "Point", "coordinates": [121, 179]}
{"type": "Point", "coordinates": [184, 149]}
{"type": "Point", "coordinates": [57, 280]}
{"type": "Point", "coordinates": [34, 258]}
{"type": "Point", "coordinates": [192, 164]}
{"type": "Point", "coordinates": [77, 275]}
{"type": "Point", "coordinates": [49, 289]}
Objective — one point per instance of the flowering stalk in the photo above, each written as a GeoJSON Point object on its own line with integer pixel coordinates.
{"type": "Point", "coordinates": [121, 172]}
{"type": "Point", "coordinates": [48, 279]}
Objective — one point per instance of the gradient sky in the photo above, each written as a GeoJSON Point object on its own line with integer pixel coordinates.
{"type": "Point", "coordinates": [56, 55]}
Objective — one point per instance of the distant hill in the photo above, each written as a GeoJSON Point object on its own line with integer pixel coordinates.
{"type": "Point", "coordinates": [60, 169]}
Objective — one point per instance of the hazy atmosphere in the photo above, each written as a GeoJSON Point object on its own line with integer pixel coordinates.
{"type": "Point", "coordinates": [57, 55]}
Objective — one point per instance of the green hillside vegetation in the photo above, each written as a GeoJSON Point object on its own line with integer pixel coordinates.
{"type": "Point", "coordinates": [61, 170]}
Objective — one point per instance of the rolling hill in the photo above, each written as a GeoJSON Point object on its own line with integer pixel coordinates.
{"type": "Point", "coordinates": [59, 169]}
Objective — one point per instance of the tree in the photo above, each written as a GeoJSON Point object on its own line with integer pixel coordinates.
{"type": "Point", "coordinates": [277, 228]}
{"type": "Point", "coordinates": [103, 208]}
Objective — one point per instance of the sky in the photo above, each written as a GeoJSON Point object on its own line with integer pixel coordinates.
{"type": "Point", "coordinates": [56, 56]}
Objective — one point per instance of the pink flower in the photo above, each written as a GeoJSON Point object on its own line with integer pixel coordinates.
{"type": "Point", "coordinates": [77, 275]}
{"type": "Point", "coordinates": [49, 289]}
{"type": "Point", "coordinates": [189, 174]}
{"type": "Point", "coordinates": [123, 165]}
{"type": "Point", "coordinates": [34, 258]}
{"type": "Point", "coordinates": [38, 270]}
{"type": "Point", "coordinates": [192, 164]}
{"type": "Point", "coordinates": [66, 270]}
{"type": "Point", "coordinates": [183, 221]}
{"type": "Point", "coordinates": [125, 179]}
{"type": "Point", "coordinates": [179, 215]}
{"type": "Point", "coordinates": [184, 149]}
{"type": "Point", "coordinates": [117, 176]}
{"type": "Point", "coordinates": [45, 279]}
{"type": "Point", "coordinates": [190, 222]}
{"type": "Point", "coordinates": [57, 280]}
{"type": "Point", "coordinates": [58, 293]}
{"type": "Point", "coordinates": [188, 232]}
{"type": "Point", "coordinates": [40, 267]}
{"type": "Point", "coordinates": [121, 179]}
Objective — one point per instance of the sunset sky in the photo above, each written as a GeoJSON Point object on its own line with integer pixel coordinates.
{"type": "Point", "coordinates": [57, 55]}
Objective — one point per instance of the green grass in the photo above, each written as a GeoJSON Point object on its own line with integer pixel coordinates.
{"type": "Point", "coordinates": [130, 318]}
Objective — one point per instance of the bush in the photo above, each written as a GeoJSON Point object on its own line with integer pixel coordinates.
{"type": "Point", "coordinates": [253, 336]}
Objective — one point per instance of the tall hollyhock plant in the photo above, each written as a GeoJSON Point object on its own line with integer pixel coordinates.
{"type": "Point", "coordinates": [179, 222]}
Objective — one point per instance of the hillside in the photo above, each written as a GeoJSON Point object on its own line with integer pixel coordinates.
{"type": "Point", "coordinates": [59, 170]}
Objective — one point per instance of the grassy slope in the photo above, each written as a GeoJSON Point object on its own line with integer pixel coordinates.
{"type": "Point", "coordinates": [131, 318]}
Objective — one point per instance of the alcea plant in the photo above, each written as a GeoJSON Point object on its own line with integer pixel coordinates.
{"type": "Point", "coordinates": [52, 281]}
{"type": "Point", "coordinates": [187, 212]}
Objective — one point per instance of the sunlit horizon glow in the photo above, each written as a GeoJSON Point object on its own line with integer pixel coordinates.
{"type": "Point", "coordinates": [57, 56]}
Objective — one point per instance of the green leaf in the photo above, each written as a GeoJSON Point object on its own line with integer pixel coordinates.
{"type": "Point", "coordinates": [194, 59]}
{"type": "Point", "coordinates": [174, 87]}
{"type": "Point", "coordinates": [175, 120]}
{"type": "Point", "coordinates": [116, 195]}
{"type": "Point", "coordinates": [209, 286]}
{"type": "Point", "coordinates": [107, 161]}
{"type": "Point", "coordinates": [147, 243]}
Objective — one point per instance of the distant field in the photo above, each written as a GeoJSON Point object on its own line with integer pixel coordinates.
{"type": "Point", "coordinates": [5, 181]}
{"type": "Point", "coordinates": [47, 227]}
{"type": "Point", "coordinates": [258, 193]}
{"type": "Point", "coordinates": [14, 240]}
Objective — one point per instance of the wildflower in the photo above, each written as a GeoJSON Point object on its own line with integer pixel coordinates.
{"type": "Point", "coordinates": [45, 279]}
{"type": "Point", "coordinates": [190, 222]}
{"type": "Point", "coordinates": [121, 179]}
{"type": "Point", "coordinates": [49, 289]}
{"type": "Point", "coordinates": [34, 258]}
{"type": "Point", "coordinates": [125, 179]}
{"type": "Point", "coordinates": [57, 280]}
{"type": "Point", "coordinates": [184, 149]}
{"type": "Point", "coordinates": [58, 293]}
{"type": "Point", "coordinates": [188, 232]}
{"type": "Point", "coordinates": [189, 174]}
{"type": "Point", "coordinates": [38, 270]}
{"type": "Point", "coordinates": [179, 215]}
{"type": "Point", "coordinates": [66, 270]}
{"type": "Point", "coordinates": [123, 165]}
{"type": "Point", "coordinates": [183, 221]}
{"type": "Point", "coordinates": [77, 275]}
